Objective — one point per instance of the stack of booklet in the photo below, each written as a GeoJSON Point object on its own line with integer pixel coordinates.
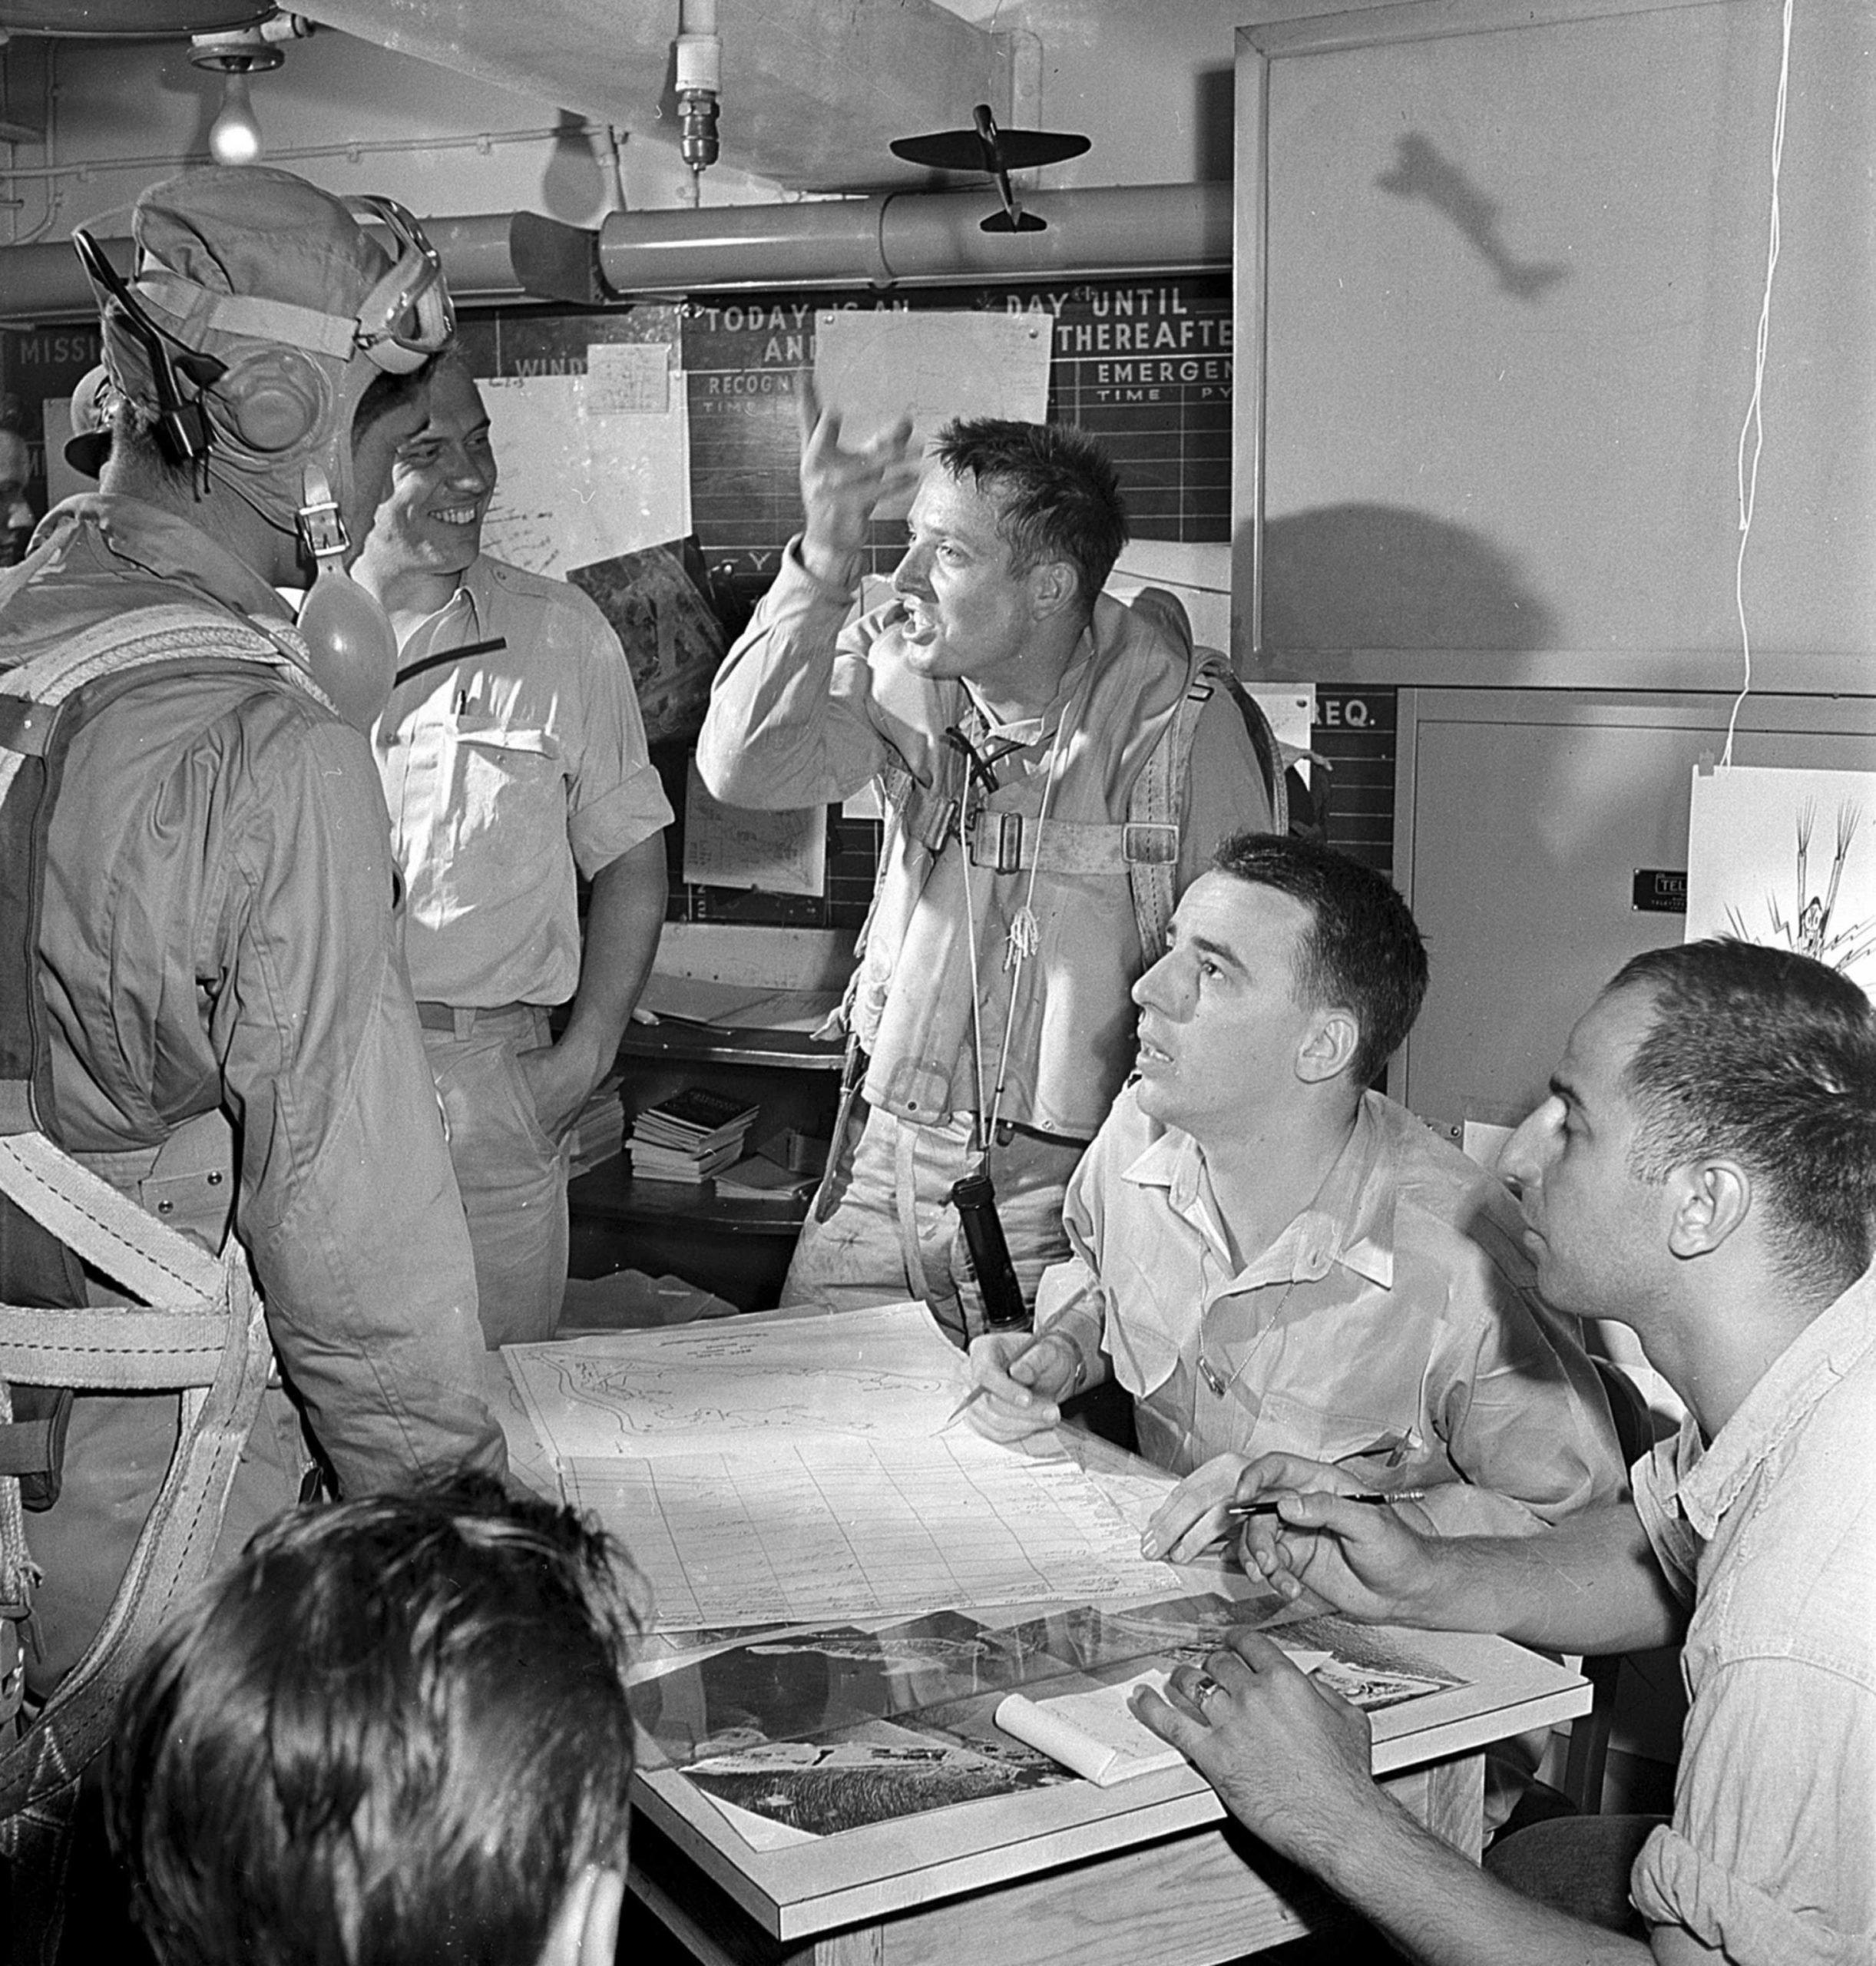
{"type": "Point", "coordinates": [689, 1136]}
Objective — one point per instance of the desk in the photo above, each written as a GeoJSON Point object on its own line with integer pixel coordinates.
{"type": "Point", "coordinates": [1072, 1874]}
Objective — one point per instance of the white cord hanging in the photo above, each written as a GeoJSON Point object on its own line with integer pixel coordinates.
{"type": "Point", "coordinates": [1752, 431]}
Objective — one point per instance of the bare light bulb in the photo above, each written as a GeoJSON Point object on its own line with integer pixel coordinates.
{"type": "Point", "coordinates": [234, 137]}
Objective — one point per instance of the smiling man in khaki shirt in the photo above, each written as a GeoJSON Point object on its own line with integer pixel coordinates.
{"type": "Point", "coordinates": [513, 758]}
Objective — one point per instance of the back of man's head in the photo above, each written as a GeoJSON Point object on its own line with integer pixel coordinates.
{"type": "Point", "coordinates": [1767, 1057]}
{"type": "Point", "coordinates": [1363, 951]}
{"type": "Point", "coordinates": [1056, 492]}
{"type": "Point", "coordinates": [261, 316]}
{"type": "Point", "coordinates": [395, 1731]}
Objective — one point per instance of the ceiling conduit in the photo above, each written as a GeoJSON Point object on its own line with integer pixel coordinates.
{"type": "Point", "coordinates": [884, 241]}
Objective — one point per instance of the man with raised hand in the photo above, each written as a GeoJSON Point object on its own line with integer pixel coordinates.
{"type": "Point", "coordinates": [1014, 715]}
{"type": "Point", "coordinates": [1704, 1171]}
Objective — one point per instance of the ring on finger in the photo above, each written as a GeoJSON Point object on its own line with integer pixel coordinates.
{"type": "Point", "coordinates": [1202, 1688]}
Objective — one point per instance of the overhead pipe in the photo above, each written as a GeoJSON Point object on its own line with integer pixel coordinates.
{"type": "Point", "coordinates": [889, 239]}
{"type": "Point", "coordinates": [45, 282]}
{"type": "Point", "coordinates": [895, 239]}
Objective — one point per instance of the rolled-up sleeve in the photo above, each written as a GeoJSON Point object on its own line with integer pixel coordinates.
{"type": "Point", "coordinates": [790, 724]}
{"type": "Point", "coordinates": [348, 1202]}
{"type": "Point", "coordinates": [1769, 1858]}
{"type": "Point", "coordinates": [617, 798]}
{"type": "Point", "coordinates": [1071, 1302]}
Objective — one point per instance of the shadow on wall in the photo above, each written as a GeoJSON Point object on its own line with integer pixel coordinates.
{"type": "Point", "coordinates": [1344, 576]}
{"type": "Point", "coordinates": [1421, 173]}
{"type": "Point", "coordinates": [576, 187]}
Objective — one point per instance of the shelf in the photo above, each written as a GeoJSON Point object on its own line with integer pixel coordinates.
{"type": "Point", "coordinates": [609, 1193]}
{"type": "Point", "coordinates": [677, 1041]}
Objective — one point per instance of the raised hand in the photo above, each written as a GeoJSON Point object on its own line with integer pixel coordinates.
{"type": "Point", "coordinates": [842, 486]}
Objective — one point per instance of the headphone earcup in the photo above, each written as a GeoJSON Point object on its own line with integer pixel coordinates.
{"type": "Point", "coordinates": [271, 400]}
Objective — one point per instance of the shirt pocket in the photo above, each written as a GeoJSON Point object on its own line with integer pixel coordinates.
{"type": "Point", "coordinates": [1372, 1443]}
{"type": "Point", "coordinates": [1140, 1338]}
{"type": "Point", "coordinates": [508, 796]}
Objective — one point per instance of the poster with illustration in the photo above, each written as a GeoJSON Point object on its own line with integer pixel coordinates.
{"type": "Point", "coordinates": [1786, 857]}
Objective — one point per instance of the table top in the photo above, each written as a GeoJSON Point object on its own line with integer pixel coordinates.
{"type": "Point", "coordinates": [869, 1873]}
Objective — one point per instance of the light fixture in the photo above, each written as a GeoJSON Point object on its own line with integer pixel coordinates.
{"type": "Point", "coordinates": [699, 86]}
{"type": "Point", "coordinates": [234, 136]}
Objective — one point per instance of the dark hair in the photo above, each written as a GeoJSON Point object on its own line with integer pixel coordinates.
{"type": "Point", "coordinates": [1362, 950]}
{"type": "Point", "coordinates": [385, 391]}
{"type": "Point", "coordinates": [1058, 496]}
{"type": "Point", "coordinates": [392, 1734]}
{"type": "Point", "coordinates": [1770, 1058]}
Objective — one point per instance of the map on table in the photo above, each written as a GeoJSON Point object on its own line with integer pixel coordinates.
{"type": "Point", "coordinates": [778, 1469]}
{"type": "Point", "coordinates": [861, 1529]}
{"type": "Point", "coordinates": [885, 1373]}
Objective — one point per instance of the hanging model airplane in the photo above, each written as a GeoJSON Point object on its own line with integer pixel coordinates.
{"type": "Point", "coordinates": [987, 148]}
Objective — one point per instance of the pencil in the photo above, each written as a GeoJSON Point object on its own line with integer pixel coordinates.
{"type": "Point", "coordinates": [1240, 1510]}
{"type": "Point", "coordinates": [976, 1393]}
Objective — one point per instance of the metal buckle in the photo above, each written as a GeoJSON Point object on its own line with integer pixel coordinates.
{"type": "Point", "coordinates": [1005, 856]}
{"type": "Point", "coordinates": [1149, 843]}
{"type": "Point", "coordinates": [323, 529]}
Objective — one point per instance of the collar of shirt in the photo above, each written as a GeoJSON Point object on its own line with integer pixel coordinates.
{"type": "Point", "coordinates": [166, 545]}
{"type": "Point", "coordinates": [1707, 1485]}
{"type": "Point", "coordinates": [429, 633]}
{"type": "Point", "coordinates": [1351, 1221]}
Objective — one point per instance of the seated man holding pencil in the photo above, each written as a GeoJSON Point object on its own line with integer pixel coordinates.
{"type": "Point", "coordinates": [1270, 1257]}
{"type": "Point", "coordinates": [1704, 1169]}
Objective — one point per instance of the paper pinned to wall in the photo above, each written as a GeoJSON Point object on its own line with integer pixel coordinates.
{"type": "Point", "coordinates": [628, 378]}
{"type": "Point", "coordinates": [875, 368]}
{"type": "Point", "coordinates": [579, 485]}
{"type": "Point", "coordinates": [728, 846]}
{"type": "Point", "coordinates": [1197, 572]}
{"type": "Point", "coordinates": [1786, 857]}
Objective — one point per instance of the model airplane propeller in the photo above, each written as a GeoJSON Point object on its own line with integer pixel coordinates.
{"type": "Point", "coordinates": [999, 152]}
